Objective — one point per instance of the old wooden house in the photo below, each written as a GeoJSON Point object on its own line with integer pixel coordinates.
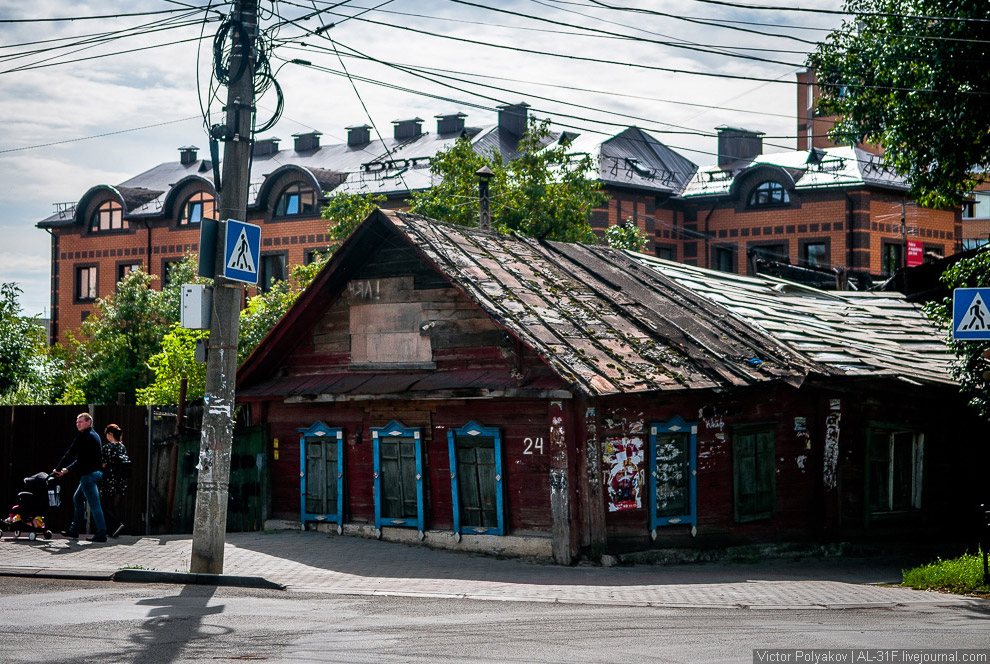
{"type": "Point", "coordinates": [498, 393]}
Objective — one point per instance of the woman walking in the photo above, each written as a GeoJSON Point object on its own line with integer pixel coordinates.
{"type": "Point", "coordinates": [116, 473]}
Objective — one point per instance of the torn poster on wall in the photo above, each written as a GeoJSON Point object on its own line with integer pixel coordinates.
{"type": "Point", "coordinates": [624, 467]}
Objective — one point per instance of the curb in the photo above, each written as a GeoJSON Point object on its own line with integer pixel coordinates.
{"type": "Point", "coordinates": [189, 578]}
{"type": "Point", "coordinates": [72, 575]}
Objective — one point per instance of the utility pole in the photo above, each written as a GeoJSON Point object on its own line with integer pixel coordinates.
{"type": "Point", "coordinates": [210, 524]}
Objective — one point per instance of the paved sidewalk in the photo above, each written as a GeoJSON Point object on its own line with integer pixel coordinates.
{"type": "Point", "coordinates": [318, 562]}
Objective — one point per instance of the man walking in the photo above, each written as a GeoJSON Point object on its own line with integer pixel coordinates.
{"type": "Point", "coordinates": [85, 454]}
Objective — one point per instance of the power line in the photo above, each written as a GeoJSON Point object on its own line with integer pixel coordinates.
{"type": "Point", "coordinates": [109, 133]}
{"type": "Point", "coordinates": [672, 44]}
{"type": "Point", "coordinates": [87, 18]}
{"type": "Point", "coordinates": [99, 39]}
{"type": "Point", "coordinates": [630, 64]}
{"type": "Point", "coordinates": [739, 5]}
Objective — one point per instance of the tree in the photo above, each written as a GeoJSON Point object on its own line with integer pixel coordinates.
{"type": "Point", "coordinates": [18, 338]}
{"type": "Point", "coordinates": [546, 192]}
{"type": "Point", "coordinates": [29, 371]}
{"type": "Point", "coordinates": [911, 76]}
{"type": "Point", "coordinates": [626, 236]}
{"type": "Point", "coordinates": [175, 362]}
{"type": "Point", "coordinates": [110, 353]}
{"type": "Point", "coordinates": [345, 212]}
{"type": "Point", "coordinates": [969, 368]}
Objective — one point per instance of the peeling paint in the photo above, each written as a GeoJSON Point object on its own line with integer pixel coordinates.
{"type": "Point", "coordinates": [801, 460]}
{"type": "Point", "coordinates": [831, 449]}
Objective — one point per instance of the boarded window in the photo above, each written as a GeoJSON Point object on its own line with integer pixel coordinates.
{"type": "Point", "coordinates": [673, 469]}
{"type": "Point", "coordinates": [476, 479]}
{"type": "Point", "coordinates": [672, 466]}
{"type": "Point", "coordinates": [321, 476]}
{"type": "Point", "coordinates": [322, 473]}
{"type": "Point", "coordinates": [389, 336]}
{"type": "Point", "coordinates": [753, 472]}
{"type": "Point", "coordinates": [398, 476]}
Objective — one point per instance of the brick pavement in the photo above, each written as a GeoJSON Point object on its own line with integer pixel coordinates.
{"type": "Point", "coordinates": [320, 562]}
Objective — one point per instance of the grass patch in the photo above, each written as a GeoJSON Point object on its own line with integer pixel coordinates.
{"type": "Point", "coordinates": [962, 575]}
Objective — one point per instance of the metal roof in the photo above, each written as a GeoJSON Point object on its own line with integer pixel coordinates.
{"type": "Point", "coordinates": [852, 333]}
{"type": "Point", "coordinates": [838, 167]}
{"type": "Point", "coordinates": [606, 321]}
{"type": "Point", "coordinates": [602, 330]}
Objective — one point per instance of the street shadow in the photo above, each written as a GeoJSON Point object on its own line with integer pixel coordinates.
{"type": "Point", "coordinates": [380, 559]}
{"type": "Point", "coordinates": [174, 624]}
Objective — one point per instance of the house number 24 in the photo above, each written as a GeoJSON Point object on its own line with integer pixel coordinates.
{"type": "Point", "coordinates": [533, 444]}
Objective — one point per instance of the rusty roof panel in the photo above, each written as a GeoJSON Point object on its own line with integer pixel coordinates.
{"type": "Point", "coordinates": [588, 320]}
{"type": "Point", "coordinates": [846, 332]}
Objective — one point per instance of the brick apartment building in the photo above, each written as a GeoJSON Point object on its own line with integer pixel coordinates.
{"type": "Point", "coordinates": [836, 210]}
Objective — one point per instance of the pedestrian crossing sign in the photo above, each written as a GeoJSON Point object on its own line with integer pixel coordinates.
{"type": "Point", "coordinates": [242, 251]}
{"type": "Point", "coordinates": [970, 314]}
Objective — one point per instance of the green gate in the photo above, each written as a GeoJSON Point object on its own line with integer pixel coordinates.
{"type": "Point", "coordinates": [247, 502]}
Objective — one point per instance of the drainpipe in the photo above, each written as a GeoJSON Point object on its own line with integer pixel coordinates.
{"type": "Point", "coordinates": [52, 321]}
{"type": "Point", "coordinates": [708, 249]}
{"type": "Point", "coordinates": [849, 231]}
{"type": "Point", "coordinates": [147, 224]}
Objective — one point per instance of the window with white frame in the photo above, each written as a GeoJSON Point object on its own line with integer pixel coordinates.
{"type": "Point", "coordinates": [109, 216]}
{"type": "Point", "coordinates": [768, 193]}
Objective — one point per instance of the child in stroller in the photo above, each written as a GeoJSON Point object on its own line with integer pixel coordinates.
{"type": "Point", "coordinates": [28, 515]}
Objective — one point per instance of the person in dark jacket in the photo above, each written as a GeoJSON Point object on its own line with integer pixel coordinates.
{"type": "Point", "coordinates": [85, 455]}
{"type": "Point", "coordinates": [115, 476]}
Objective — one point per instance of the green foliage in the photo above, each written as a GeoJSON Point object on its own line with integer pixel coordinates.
{"type": "Point", "coordinates": [959, 575]}
{"type": "Point", "coordinates": [625, 236]}
{"type": "Point", "coordinates": [22, 341]}
{"type": "Point", "coordinates": [345, 212]}
{"type": "Point", "coordinates": [263, 311]}
{"type": "Point", "coordinates": [545, 193]}
{"type": "Point", "coordinates": [914, 86]}
{"type": "Point", "coordinates": [31, 372]}
{"type": "Point", "coordinates": [969, 366]}
{"type": "Point", "coordinates": [111, 350]}
{"type": "Point", "coordinates": [175, 361]}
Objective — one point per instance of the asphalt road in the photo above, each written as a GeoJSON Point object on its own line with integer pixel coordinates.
{"type": "Point", "coordinates": [81, 621]}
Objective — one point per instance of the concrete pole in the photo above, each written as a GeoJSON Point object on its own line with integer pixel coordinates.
{"type": "Point", "coordinates": [210, 524]}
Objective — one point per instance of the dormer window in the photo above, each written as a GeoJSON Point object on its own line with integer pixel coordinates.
{"type": "Point", "coordinates": [768, 193]}
{"type": "Point", "coordinates": [197, 207]}
{"type": "Point", "coordinates": [296, 199]}
{"type": "Point", "coordinates": [108, 217]}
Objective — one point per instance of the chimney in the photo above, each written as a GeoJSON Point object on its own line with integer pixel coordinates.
{"type": "Point", "coordinates": [450, 124]}
{"type": "Point", "coordinates": [735, 145]}
{"type": "Point", "coordinates": [308, 141]}
{"type": "Point", "coordinates": [265, 146]}
{"type": "Point", "coordinates": [513, 118]}
{"type": "Point", "coordinates": [358, 135]}
{"type": "Point", "coordinates": [187, 155]}
{"type": "Point", "coordinates": [408, 128]}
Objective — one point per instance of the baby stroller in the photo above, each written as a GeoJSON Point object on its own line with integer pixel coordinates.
{"type": "Point", "coordinates": [28, 515]}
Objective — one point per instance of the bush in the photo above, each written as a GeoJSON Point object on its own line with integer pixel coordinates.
{"type": "Point", "coordinates": [958, 575]}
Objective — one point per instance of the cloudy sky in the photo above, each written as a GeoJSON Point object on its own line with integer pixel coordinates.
{"type": "Point", "coordinates": [81, 109]}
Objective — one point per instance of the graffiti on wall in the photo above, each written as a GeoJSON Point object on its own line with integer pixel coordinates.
{"type": "Point", "coordinates": [831, 449]}
{"type": "Point", "coordinates": [623, 459]}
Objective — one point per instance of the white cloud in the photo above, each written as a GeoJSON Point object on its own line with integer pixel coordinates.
{"type": "Point", "coordinates": [113, 94]}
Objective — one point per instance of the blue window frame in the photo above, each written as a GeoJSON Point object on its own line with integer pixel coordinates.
{"type": "Point", "coordinates": [476, 479]}
{"type": "Point", "coordinates": [321, 473]}
{"type": "Point", "coordinates": [398, 452]}
{"type": "Point", "coordinates": [673, 474]}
